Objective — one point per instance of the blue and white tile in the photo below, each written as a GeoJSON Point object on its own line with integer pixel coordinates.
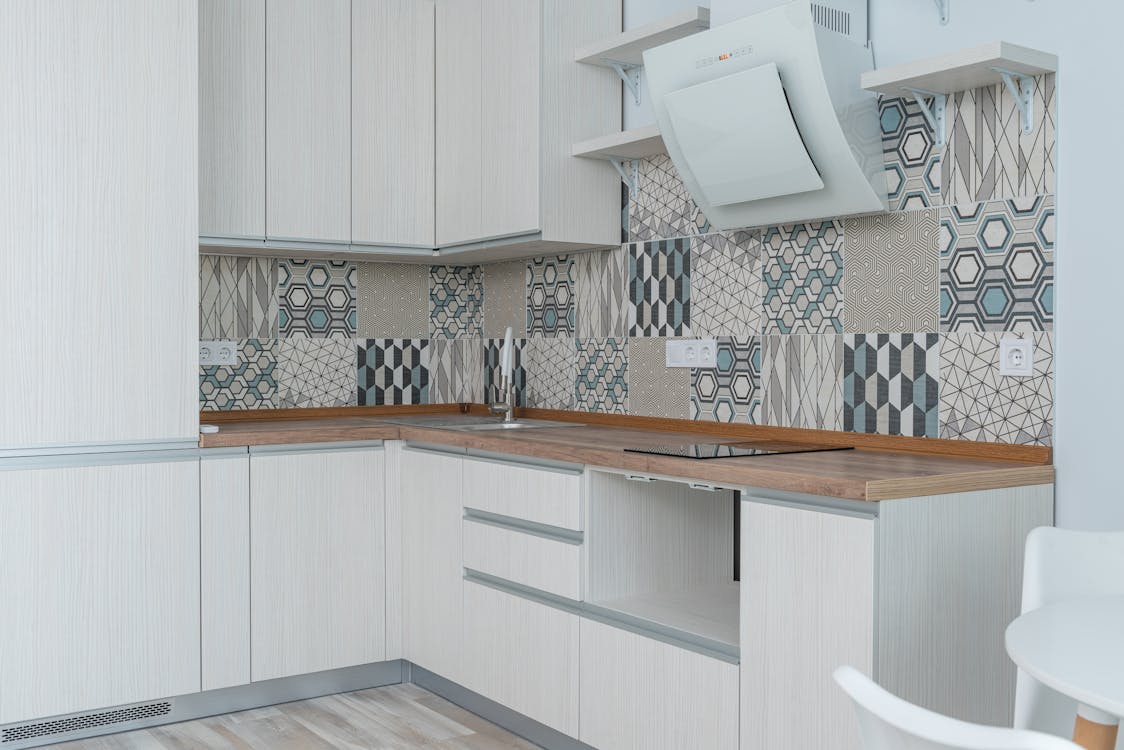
{"type": "Point", "coordinates": [602, 383]}
{"type": "Point", "coordinates": [393, 371]}
{"type": "Point", "coordinates": [551, 283]}
{"type": "Point", "coordinates": [251, 384]}
{"type": "Point", "coordinates": [730, 392]}
{"type": "Point", "coordinates": [316, 298]}
{"type": "Point", "coordinates": [891, 383]}
{"type": "Point", "coordinates": [659, 288]}
{"type": "Point", "coordinates": [493, 379]}
{"type": "Point", "coordinates": [912, 158]}
{"type": "Point", "coordinates": [804, 278]}
{"type": "Point", "coordinates": [456, 301]}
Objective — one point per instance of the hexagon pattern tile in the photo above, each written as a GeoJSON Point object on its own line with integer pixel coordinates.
{"type": "Point", "coordinates": [804, 278]}
{"type": "Point", "coordinates": [659, 288]}
{"type": "Point", "coordinates": [890, 383]}
{"type": "Point", "coordinates": [552, 372]}
{"type": "Point", "coordinates": [251, 384]}
{"type": "Point", "coordinates": [977, 403]}
{"type": "Point", "coordinates": [551, 282]}
{"type": "Point", "coordinates": [237, 297]}
{"type": "Point", "coordinates": [315, 372]}
{"type": "Point", "coordinates": [393, 371]}
{"type": "Point", "coordinates": [655, 390]}
{"type": "Point", "coordinates": [802, 377]}
{"type": "Point", "coordinates": [602, 285]}
{"type": "Point", "coordinates": [456, 299]}
{"type": "Point", "coordinates": [730, 392]}
{"type": "Point", "coordinates": [997, 266]}
{"type": "Point", "coordinates": [912, 159]}
{"type": "Point", "coordinates": [316, 298]}
{"type": "Point", "coordinates": [662, 207]}
{"type": "Point", "coordinates": [493, 379]}
{"type": "Point", "coordinates": [726, 284]}
{"type": "Point", "coordinates": [456, 371]}
{"type": "Point", "coordinates": [602, 384]}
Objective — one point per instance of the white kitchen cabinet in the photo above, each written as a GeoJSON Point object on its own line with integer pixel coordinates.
{"type": "Point", "coordinates": [392, 190]}
{"type": "Point", "coordinates": [548, 564]}
{"type": "Point", "coordinates": [99, 568]}
{"type": "Point", "coordinates": [522, 654]}
{"type": "Point", "coordinates": [432, 570]}
{"type": "Point", "coordinates": [99, 205]}
{"type": "Point", "coordinates": [638, 693]}
{"type": "Point", "coordinates": [317, 565]}
{"type": "Point", "coordinates": [308, 120]}
{"type": "Point", "coordinates": [232, 118]}
{"type": "Point", "coordinates": [532, 493]}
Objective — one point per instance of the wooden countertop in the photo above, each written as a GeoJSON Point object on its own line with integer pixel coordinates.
{"type": "Point", "coordinates": [871, 472]}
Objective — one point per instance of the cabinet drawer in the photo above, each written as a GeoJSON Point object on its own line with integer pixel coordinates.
{"type": "Point", "coordinates": [551, 565]}
{"type": "Point", "coordinates": [547, 496]}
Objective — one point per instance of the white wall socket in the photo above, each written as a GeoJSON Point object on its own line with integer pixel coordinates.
{"type": "Point", "coordinates": [701, 353]}
{"type": "Point", "coordinates": [1016, 357]}
{"type": "Point", "coordinates": [212, 353]}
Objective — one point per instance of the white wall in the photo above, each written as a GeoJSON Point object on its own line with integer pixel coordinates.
{"type": "Point", "coordinates": [1089, 258]}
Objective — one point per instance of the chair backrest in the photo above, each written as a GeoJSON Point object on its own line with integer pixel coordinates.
{"type": "Point", "coordinates": [1062, 564]}
{"type": "Point", "coordinates": [886, 722]}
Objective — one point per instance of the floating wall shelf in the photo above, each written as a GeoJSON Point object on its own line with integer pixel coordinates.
{"type": "Point", "coordinates": [627, 146]}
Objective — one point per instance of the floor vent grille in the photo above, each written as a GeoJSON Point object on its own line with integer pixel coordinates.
{"type": "Point", "coordinates": [24, 732]}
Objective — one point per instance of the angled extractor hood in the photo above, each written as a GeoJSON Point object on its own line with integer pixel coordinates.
{"type": "Point", "coordinates": [766, 122]}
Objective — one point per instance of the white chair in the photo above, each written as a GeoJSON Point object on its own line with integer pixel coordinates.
{"type": "Point", "coordinates": [886, 722]}
{"type": "Point", "coordinates": [1060, 565]}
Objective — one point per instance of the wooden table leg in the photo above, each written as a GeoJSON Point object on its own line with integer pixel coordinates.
{"type": "Point", "coordinates": [1092, 735]}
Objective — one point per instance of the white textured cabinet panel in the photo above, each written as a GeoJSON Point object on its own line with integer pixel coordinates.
{"type": "Point", "coordinates": [535, 561]}
{"type": "Point", "coordinates": [317, 564]}
{"type": "Point", "coordinates": [232, 118]}
{"type": "Point", "coordinates": [807, 607]}
{"type": "Point", "coordinates": [523, 655]}
{"type": "Point", "coordinates": [224, 570]}
{"type": "Point", "coordinates": [308, 119]}
{"type": "Point", "coordinates": [99, 209]}
{"type": "Point", "coordinates": [432, 570]}
{"type": "Point", "coordinates": [99, 569]}
{"type": "Point", "coordinates": [392, 125]}
{"type": "Point", "coordinates": [393, 452]}
{"type": "Point", "coordinates": [641, 694]}
{"type": "Point", "coordinates": [532, 494]}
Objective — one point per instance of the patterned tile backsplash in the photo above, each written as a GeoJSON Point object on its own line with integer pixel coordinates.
{"type": "Point", "coordinates": [887, 323]}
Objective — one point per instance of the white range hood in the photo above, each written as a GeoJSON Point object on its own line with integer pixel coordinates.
{"type": "Point", "coordinates": [765, 120]}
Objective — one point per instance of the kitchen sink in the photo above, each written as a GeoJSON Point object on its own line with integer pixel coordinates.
{"type": "Point", "coordinates": [525, 424]}
{"type": "Point", "coordinates": [471, 422]}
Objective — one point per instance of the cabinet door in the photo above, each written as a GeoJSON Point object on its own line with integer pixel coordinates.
{"type": "Point", "coordinates": [432, 571]}
{"type": "Point", "coordinates": [232, 118]}
{"type": "Point", "coordinates": [99, 569]}
{"type": "Point", "coordinates": [642, 694]}
{"type": "Point", "coordinates": [308, 119]}
{"type": "Point", "coordinates": [523, 655]}
{"type": "Point", "coordinates": [316, 561]}
{"type": "Point", "coordinates": [99, 209]}
{"type": "Point", "coordinates": [392, 151]}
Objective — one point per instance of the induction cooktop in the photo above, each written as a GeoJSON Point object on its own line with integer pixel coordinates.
{"type": "Point", "coordinates": [733, 450]}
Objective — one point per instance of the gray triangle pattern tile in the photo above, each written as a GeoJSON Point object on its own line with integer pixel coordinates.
{"type": "Point", "coordinates": [316, 373]}
{"type": "Point", "coordinates": [727, 284]}
{"type": "Point", "coordinates": [662, 207]}
{"type": "Point", "coordinates": [552, 371]}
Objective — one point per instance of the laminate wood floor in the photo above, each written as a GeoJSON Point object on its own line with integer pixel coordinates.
{"type": "Point", "coordinates": [394, 717]}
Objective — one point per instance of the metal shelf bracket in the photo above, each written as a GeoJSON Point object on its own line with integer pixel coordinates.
{"type": "Point", "coordinates": [630, 174]}
{"type": "Point", "coordinates": [933, 113]}
{"type": "Point", "coordinates": [1022, 91]}
{"type": "Point", "coordinates": [942, 10]}
{"type": "Point", "coordinates": [630, 74]}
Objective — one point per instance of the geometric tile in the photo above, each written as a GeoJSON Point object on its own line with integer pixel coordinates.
{"type": "Point", "coordinates": [456, 296]}
{"type": "Point", "coordinates": [316, 298]}
{"type": "Point", "coordinates": [493, 378]}
{"type": "Point", "coordinates": [624, 212]}
{"type": "Point", "coordinates": [315, 372]}
{"type": "Point", "coordinates": [602, 384]}
{"type": "Point", "coordinates": [655, 390]}
{"type": "Point", "coordinates": [891, 274]}
{"type": "Point", "coordinates": [912, 160]}
{"type": "Point", "coordinates": [988, 156]}
{"type": "Point", "coordinates": [730, 392]}
{"type": "Point", "coordinates": [393, 371]}
{"type": "Point", "coordinates": [997, 266]}
{"type": "Point", "coordinates": [505, 298]}
{"type": "Point", "coordinates": [803, 381]}
{"type": "Point", "coordinates": [661, 206]}
{"type": "Point", "coordinates": [393, 300]}
{"type": "Point", "coordinates": [237, 297]}
{"type": "Point", "coordinates": [890, 383]}
{"type": "Point", "coordinates": [659, 288]}
{"type": "Point", "coordinates": [251, 384]}
{"type": "Point", "coordinates": [977, 403]}
{"type": "Point", "coordinates": [551, 282]}
{"type": "Point", "coordinates": [552, 371]}
{"type": "Point", "coordinates": [602, 306]}
{"type": "Point", "coordinates": [456, 371]}
{"type": "Point", "coordinates": [727, 284]}
{"type": "Point", "coordinates": [804, 277]}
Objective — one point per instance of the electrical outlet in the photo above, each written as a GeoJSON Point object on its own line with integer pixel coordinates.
{"type": "Point", "coordinates": [1016, 357]}
{"type": "Point", "coordinates": [698, 353]}
{"type": "Point", "coordinates": [216, 353]}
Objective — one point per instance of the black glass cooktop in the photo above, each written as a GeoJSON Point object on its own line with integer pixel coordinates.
{"type": "Point", "coordinates": [733, 450]}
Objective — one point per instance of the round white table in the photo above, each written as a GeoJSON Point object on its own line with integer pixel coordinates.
{"type": "Point", "coordinates": [1077, 648]}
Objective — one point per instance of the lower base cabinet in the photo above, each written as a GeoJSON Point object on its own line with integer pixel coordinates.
{"type": "Point", "coordinates": [523, 655]}
{"type": "Point", "coordinates": [642, 694]}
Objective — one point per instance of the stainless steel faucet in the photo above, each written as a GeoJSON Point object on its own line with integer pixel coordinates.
{"type": "Point", "coordinates": [506, 403]}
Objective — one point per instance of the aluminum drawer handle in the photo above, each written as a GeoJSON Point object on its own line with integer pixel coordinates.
{"type": "Point", "coordinates": [704, 487]}
{"type": "Point", "coordinates": [638, 478]}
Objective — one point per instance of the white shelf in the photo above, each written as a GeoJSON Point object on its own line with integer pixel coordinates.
{"type": "Point", "coordinates": [708, 611]}
{"type": "Point", "coordinates": [624, 146]}
{"type": "Point", "coordinates": [626, 49]}
{"type": "Point", "coordinates": [960, 71]}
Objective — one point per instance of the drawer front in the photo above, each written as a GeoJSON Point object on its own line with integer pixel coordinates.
{"type": "Point", "coordinates": [547, 496]}
{"type": "Point", "coordinates": [546, 564]}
